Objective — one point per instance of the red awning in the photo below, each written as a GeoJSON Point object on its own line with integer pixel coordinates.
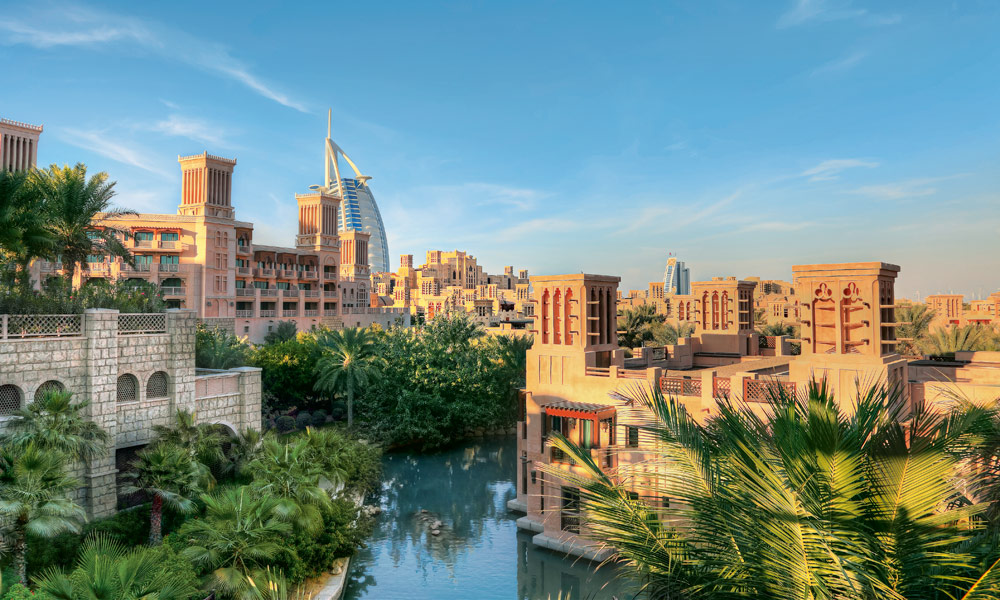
{"type": "Point", "coordinates": [579, 410]}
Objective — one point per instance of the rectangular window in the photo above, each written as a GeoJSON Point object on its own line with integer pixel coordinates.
{"type": "Point", "coordinates": [143, 259]}
{"type": "Point", "coordinates": [170, 260]}
{"type": "Point", "coordinates": [260, 285]}
{"type": "Point", "coordinates": [556, 424]}
{"type": "Point", "coordinates": [95, 258]}
{"type": "Point", "coordinates": [632, 437]}
{"type": "Point", "coordinates": [143, 236]}
{"type": "Point", "coordinates": [240, 284]}
{"type": "Point", "coordinates": [570, 514]}
{"type": "Point", "coordinates": [169, 236]}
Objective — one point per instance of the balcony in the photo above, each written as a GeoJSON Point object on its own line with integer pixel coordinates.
{"type": "Point", "coordinates": [139, 268]}
{"type": "Point", "coordinates": [142, 243]}
{"type": "Point", "coordinates": [309, 275]}
{"type": "Point", "coordinates": [168, 268]}
{"type": "Point", "coordinates": [290, 313]}
{"type": "Point", "coordinates": [246, 292]}
{"type": "Point", "coordinates": [173, 291]}
{"type": "Point", "coordinates": [329, 276]}
{"type": "Point", "coordinates": [310, 293]}
{"type": "Point", "coordinates": [265, 272]}
{"type": "Point", "coordinates": [268, 292]}
{"type": "Point", "coordinates": [268, 313]}
{"type": "Point", "coordinates": [170, 245]}
{"type": "Point", "coordinates": [243, 249]}
{"type": "Point", "coordinates": [288, 274]}
{"type": "Point", "coordinates": [243, 271]}
{"type": "Point", "coordinates": [330, 312]}
{"type": "Point", "coordinates": [311, 313]}
{"type": "Point", "coordinates": [97, 267]}
{"type": "Point", "coordinates": [50, 266]}
{"type": "Point", "coordinates": [244, 313]}
{"type": "Point", "coordinates": [290, 293]}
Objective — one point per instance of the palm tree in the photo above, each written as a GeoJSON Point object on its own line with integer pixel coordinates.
{"type": "Point", "coordinates": [282, 332]}
{"type": "Point", "coordinates": [34, 499]}
{"type": "Point", "coordinates": [288, 472]}
{"type": "Point", "coordinates": [812, 501]}
{"type": "Point", "coordinates": [347, 362]}
{"type": "Point", "coordinates": [916, 322]}
{"type": "Point", "coordinates": [219, 349]}
{"type": "Point", "coordinates": [108, 570]}
{"type": "Point", "coordinates": [513, 351]}
{"type": "Point", "coordinates": [202, 441]}
{"type": "Point", "coordinates": [240, 534]}
{"type": "Point", "coordinates": [169, 476]}
{"type": "Point", "coordinates": [244, 448]}
{"type": "Point", "coordinates": [78, 211]}
{"type": "Point", "coordinates": [636, 325]}
{"type": "Point", "coordinates": [23, 235]}
{"type": "Point", "coordinates": [54, 423]}
{"type": "Point", "coordinates": [667, 334]}
{"type": "Point", "coordinates": [948, 340]}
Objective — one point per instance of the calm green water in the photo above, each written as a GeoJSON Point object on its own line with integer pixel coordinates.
{"type": "Point", "coordinates": [480, 554]}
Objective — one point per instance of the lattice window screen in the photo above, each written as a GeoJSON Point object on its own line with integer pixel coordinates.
{"type": "Point", "coordinates": [10, 399]}
{"type": "Point", "coordinates": [128, 388]}
{"type": "Point", "coordinates": [156, 387]}
{"type": "Point", "coordinates": [49, 386]}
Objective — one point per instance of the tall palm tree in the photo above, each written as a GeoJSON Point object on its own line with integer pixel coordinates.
{"type": "Point", "coordinates": [635, 325]}
{"type": "Point", "coordinates": [667, 334]}
{"type": "Point", "coordinates": [23, 234]}
{"type": "Point", "coordinates": [812, 501]}
{"type": "Point", "coordinates": [948, 340]}
{"type": "Point", "coordinates": [347, 362]}
{"type": "Point", "coordinates": [202, 441]}
{"type": "Point", "coordinates": [286, 471]}
{"type": "Point", "coordinates": [35, 499]}
{"type": "Point", "coordinates": [219, 349]}
{"type": "Point", "coordinates": [78, 210]}
{"type": "Point", "coordinates": [107, 570]}
{"type": "Point", "coordinates": [55, 423]}
{"type": "Point", "coordinates": [916, 319]}
{"type": "Point", "coordinates": [240, 534]}
{"type": "Point", "coordinates": [169, 475]}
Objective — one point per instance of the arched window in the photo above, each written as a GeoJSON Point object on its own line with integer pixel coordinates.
{"type": "Point", "coordinates": [49, 386]}
{"type": "Point", "coordinates": [725, 310]}
{"type": "Point", "coordinates": [556, 318]}
{"type": "Point", "coordinates": [567, 335]}
{"type": "Point", "coordinates": [545, 317]}
{"type": "Point", "coordinates": [128, 388]}
{"type": "Point", "coordinates": [10, 399]}
{"type": "Point", "coordinates": [156, 386]}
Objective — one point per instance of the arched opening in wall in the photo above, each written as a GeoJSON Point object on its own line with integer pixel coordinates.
{"type": "Point", "coordinates": [568, 335]}
{"type": "Point", "coordinates": [725, 310]}
{"type": "Point", "coordinates": [156, 385]}
{"type": "Point", "coordinates": [715, 311]}
{"type": "Point", "coordinates": [556, 317]}
{"type": "Point", "coordinates": [48, 387]}
{"type": "Point", "coordinates": [10, 399]}
{"type": "Point", "coordinates": [545, 317]}
{"type": "Point", "coordinates": [128, 388]}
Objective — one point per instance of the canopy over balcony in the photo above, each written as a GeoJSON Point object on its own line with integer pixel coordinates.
{"type": "Point", "coordinates": [579, 410]}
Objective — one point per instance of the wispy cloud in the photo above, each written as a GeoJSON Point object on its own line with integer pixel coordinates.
{"type": "Point", "coordinates": [829, 170]}
{"type": "Point", "coordinates": [805, 11]}
{"type": "Point", "coordinates": [191, 128]}
{"type": "Point", "coordinates": [98, 141]}
{"type": "Point", "coordinates": [72, 26]}
{"type": "Point", "coordinates": [486, 194]}
{"type": "Point", "coordinates": [838, 65]}
{"type": "Point", "coordinates": [777, 226]}
{"type": "Point", "coordinates": [911, 188]}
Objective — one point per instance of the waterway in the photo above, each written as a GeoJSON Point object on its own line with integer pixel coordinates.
{"type": "Point", "coordinates": [479, 552]}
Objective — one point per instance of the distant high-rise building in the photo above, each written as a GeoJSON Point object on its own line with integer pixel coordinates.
{"type": "Point", "coordinates": [676, 278]}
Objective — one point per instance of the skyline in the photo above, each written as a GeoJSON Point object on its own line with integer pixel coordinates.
{"type": "Point", "coordinates": [732, 151]}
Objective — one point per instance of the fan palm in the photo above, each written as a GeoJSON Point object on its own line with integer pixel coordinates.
{"type": "Point", "coordinates": [948, 340]}
{"type": "Point", "coordinates": [245, 447]}
{"type": "Point", "coordinates": [169, 475]}
{"type": "Point", "coordinates": [107, 570]}
{"type": "Point", "coordinates": [23, 235]}
{"type": "Point", "coordinates": [35, 499]}
{"type": "Point", "coordinates": [811, 501]}
{"type": "Point", "coordinates": [79, 212]}
{"type": "Point", "coordinates": [635, 325]}
{"type": "Point", "coordinates": [240, 534]}
{"type": "Point", "coordinates": [331, 450]}
{"type": "Point", "coordinates": [202, 441]}
{"type": "Point", "coordinates": [219, 349]}
{"type": "Point", "coordinates": [55, 423]}
{"type": "Point", "coordinates": [667, 334]}
{"type": "Point", "coordinates": [348, 360]}
{"type": "Point", "coordinates": [287, 472]}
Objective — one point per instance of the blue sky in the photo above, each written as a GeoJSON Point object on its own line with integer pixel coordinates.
{"type": "Point", "coordinates": [556, 136]}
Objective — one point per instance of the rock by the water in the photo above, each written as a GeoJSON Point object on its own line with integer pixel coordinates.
{"type": "Point", "coordinates": [435, 532]}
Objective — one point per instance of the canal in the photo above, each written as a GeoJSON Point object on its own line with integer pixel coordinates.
{"type": "Point", "coordinates": [479, 552]}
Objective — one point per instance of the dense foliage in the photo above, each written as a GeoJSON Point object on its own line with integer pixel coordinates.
{"type": "Point", "coordinates": [57, 296]}
{"type": "Point", "coordinates": [643, 326]}
{"type": "Point", "coordinates": [871, 499]}
{"type": "Point", "coordinates": [219, 349]}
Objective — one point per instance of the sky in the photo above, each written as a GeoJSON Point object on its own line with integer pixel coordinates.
{"type": "Point", "coordinates": [743, 137]}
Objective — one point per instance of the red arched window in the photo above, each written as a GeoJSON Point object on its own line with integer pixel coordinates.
{"type": "Point", "coordinates": [556, 317]}
{"type": "Point", "coordinates": [725, 310]}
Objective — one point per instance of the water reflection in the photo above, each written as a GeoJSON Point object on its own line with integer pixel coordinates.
{"type": "Point", "coordinates": [477, 551]}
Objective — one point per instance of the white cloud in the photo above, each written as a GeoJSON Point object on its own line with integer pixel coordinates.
{"type": "Point", "coordinates": [79, 27]}
{"type": "Point", "coordinates": [486, 194]}
{"type": "Point", "coordinates": [194, 129]}
{"type": "Point", "coordinates": [99, 142]}
{"type": "Point", "coordinates": [911, 188]}
{"type": "Point", "coordinates": [829, 170]}
{"type": "Point", "coordinates": [841, 64]}
{"type": "Point", "coordinates": [777, 226]}
{"type": "Point", "coordinates": [805, 11]}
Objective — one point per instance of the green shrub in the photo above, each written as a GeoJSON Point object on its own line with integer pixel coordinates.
{"type": "Point", "coordinates": [19, 592]}
{"type": "Point", "coordinates": [285, 423]}
{"type": "Point", "coordinates": [58, 297]}
{"type": "Point", "coordinates": [344, 531]}
{"type": "Point", "coordinates": [303, 420]}
{"type": "Point", "coordinates": [319, 418]}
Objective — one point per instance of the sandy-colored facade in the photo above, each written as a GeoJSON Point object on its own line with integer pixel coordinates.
{"type": "Point", "coordinates": [204, 258]}
{"type": "Point", "coordinates": [576, 372]}
{"type": "Point", "coordinates": [18, 145]}
{"type": "Point", "coordinates": [454, 281]}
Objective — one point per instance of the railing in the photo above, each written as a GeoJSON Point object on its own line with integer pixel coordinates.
{"type": "Point", "coordinates": [242, 249]}
{"type": "Point", "coordinates": [311, 313]}
{"type": "Point", "coordinates": [168, 268]}
{"type": "Point", "coordinates": [50, 266]}
{"type": "Point", "coordinates": [265, 272]}
{"type": "Point", "coordinates": [170, 245]}
{"type": "Point", "coordinates": [244, 313]}
{"type": "Point", "coordinates": [243, 270]}
{"type": "Point", "coordinates": [597, 372]}
{"type": "Point", "coordinates": [139, 268]}
{"type": "Point", "coordinates": [768, 341]}
{"type": "Point", "coordinates": [246, 292]}
{"type": "Point", "coordinates": [142, 243]}
{"type": "Point", "coordinates": [310, 293]}
{"type": "Point", "coordinates": [721, 386]}
{"type": "Point", "coordinates": [290, 313]}
{"type": "Point", "coordinates": [289, 274]}
{"type": "Point", "coordinates": [679, 386]}
{"type": "Point", "coordinates": [329, 312]}
{"type": "Point", "coordinates": [309, 275]}
{"type": "Point", "coordinates": [632, 373]}
{"type": "Point", "coordinates": [761, 390]}
{"type": "Point", "coordinates": [173, 291]}
{"type": "Point", "coordinates": [329, 276]}
{"type": "Point", "coordinates": [95, 267]}
{"type": "Point", "coordinates": [268, 313]}
{"type": "Point", "coordinates": [268, 291]}
{"type": "Point", "coordinates": [290, 293]}
{"type": "Point", "coordinates": [139, 323]}
{"type": "Point", "coordinates": [13, 327]}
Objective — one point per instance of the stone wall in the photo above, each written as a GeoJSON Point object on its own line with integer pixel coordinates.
{"type": "Point", "coordinates": [133, 381]}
